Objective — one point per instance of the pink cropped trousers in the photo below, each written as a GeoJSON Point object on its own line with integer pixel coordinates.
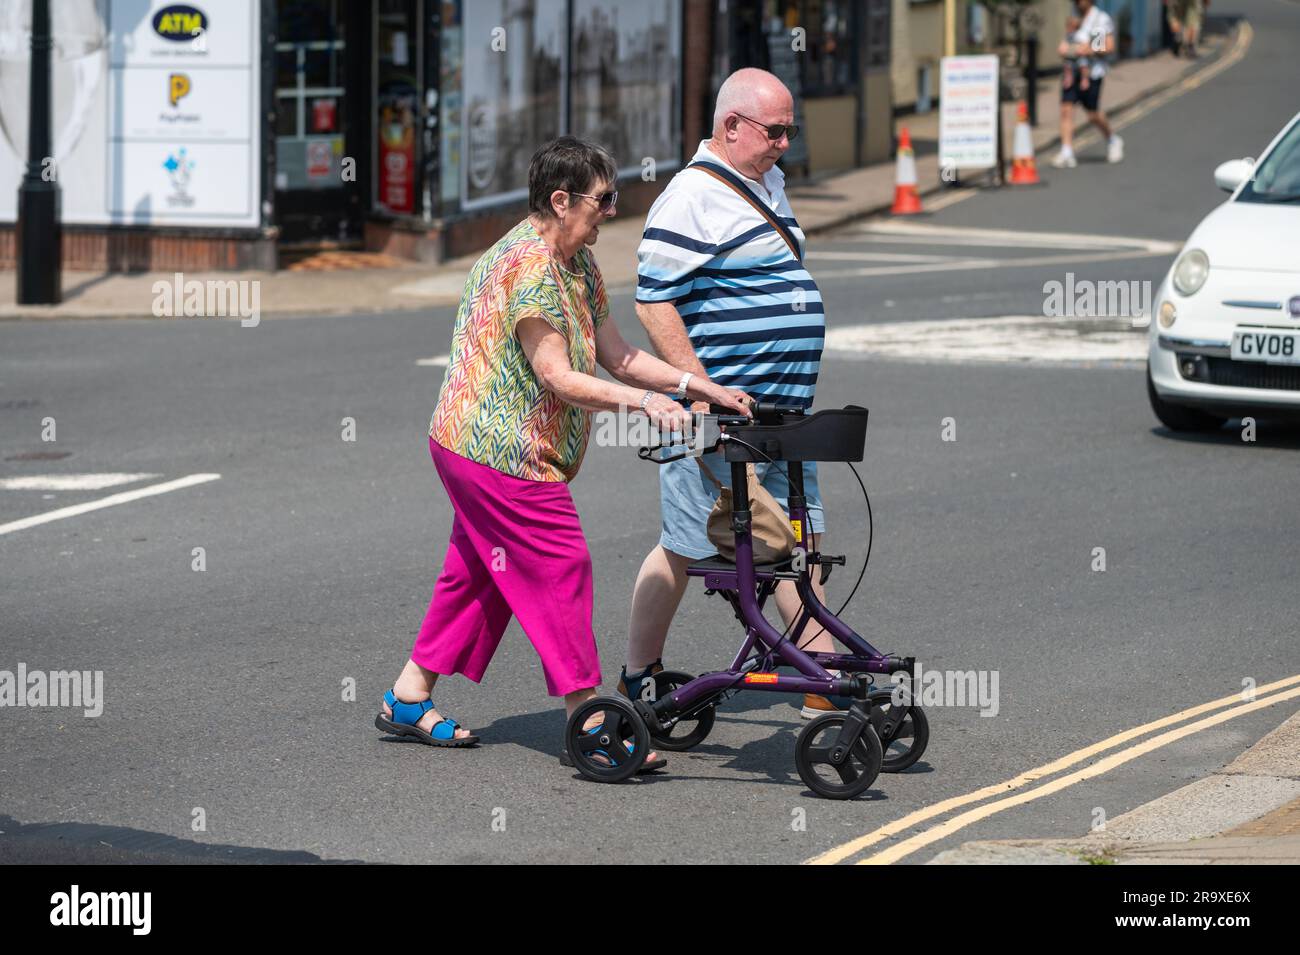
{"type": "Point", "coordinates": [518, 549]}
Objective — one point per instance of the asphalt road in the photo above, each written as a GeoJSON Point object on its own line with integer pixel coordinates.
{"type": "Point", "coordinates": [224, 689]}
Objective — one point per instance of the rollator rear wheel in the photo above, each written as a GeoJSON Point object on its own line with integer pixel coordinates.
{"type": "Point", "coordinates": [688, 731]}
{"type": "Point", "coordinates": [812, 757]}
{"type": "Point", "coordinates": [908, 741]}
{"type": "Point", "coordinates": [611, 750]}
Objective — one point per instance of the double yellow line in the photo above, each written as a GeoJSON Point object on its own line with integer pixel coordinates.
{"type": "Point", "coordinates": [971, 816]}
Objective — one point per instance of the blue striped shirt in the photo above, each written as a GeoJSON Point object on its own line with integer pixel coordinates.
{"type": "Point", "coordinates": [752, 312]}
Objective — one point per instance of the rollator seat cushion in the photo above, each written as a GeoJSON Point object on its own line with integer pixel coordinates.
{"type": "Point", "coordinates": [720, 565]}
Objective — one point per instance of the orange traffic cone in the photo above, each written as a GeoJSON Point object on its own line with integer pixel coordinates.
{"type": "Point", "coordinates": [907, 201]}
{"type": "Point", "coordinates": [1023, 170]}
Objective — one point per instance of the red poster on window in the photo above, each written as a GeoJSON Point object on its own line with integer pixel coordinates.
{"type": "Point", "coordinates": [323, 113]}
{"type": "Point", "coordinates": [320, 156]}
{"type": "Point", "coordinates": [397, 156]}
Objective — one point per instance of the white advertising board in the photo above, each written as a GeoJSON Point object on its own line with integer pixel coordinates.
{"type": "Point", "coordinates": [156, 111]}
{"type": "Point", "coordinates": [968, 112]}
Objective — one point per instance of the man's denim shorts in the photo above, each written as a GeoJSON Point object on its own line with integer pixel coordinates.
{"type": "Point", "coordinates": [686, 496]}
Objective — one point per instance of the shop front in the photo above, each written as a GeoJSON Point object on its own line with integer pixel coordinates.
{"type": "Point", "coordinates": [464, 92]}
{"type": "Point", "coordinates": [213, 135]}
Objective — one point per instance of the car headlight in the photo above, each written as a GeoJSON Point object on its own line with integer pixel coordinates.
{"type": "Point", "coordinates": [1190, 271]}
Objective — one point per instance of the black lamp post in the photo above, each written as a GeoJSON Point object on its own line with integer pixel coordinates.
{"type": "Point", "coordinates": [39, 247]}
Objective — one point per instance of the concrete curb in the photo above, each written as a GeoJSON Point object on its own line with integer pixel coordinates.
{"type": "Point", "coordinates": [1194, 825]}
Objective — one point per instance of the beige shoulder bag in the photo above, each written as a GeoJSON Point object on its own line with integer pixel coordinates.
{"type": "Point", "coordinates": [773, 536]}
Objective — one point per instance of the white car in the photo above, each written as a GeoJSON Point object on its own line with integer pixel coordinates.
{"type": "Point", "coordinates": [1225, 342]}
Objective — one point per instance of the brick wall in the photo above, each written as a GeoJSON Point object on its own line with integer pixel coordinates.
{"type": "Point", "coordinates": [115, 249]}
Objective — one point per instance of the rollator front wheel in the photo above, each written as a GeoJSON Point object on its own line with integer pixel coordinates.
{"type": "Point", "coordinates": [689, 730]}
{"type": "Point", "coordinates": [908, 740]}
{"type": "Point", "coordinates": [853, 776]}
{"type": "Point", "coordinates": [614, 746]}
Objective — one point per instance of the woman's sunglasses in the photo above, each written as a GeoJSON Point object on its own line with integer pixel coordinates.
{"type": "Point", "coordinates": [605, 201]}
{"type": "Point", "coordinates": [776, 130]}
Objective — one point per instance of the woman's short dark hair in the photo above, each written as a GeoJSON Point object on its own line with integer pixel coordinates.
{"type": "Point", "coordinates": [570, 165]}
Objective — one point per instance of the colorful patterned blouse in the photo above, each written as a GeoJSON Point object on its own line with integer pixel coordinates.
{"type": "Point", "coordinates": [492, 409]}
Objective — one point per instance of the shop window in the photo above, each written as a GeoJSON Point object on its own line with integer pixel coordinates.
{"type": "Point", "coordinates": [309, 95]}
{"type": "Point", "coordinates": [515, 58]}
{"type": "Point", "coordinates": [830, 61]}
{"type": "Point", "coordinates": [624, 80]}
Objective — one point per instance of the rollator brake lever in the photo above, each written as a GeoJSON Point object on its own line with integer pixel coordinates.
{"type": "Point", "coordinates": [705, 435]}
{"type": "Point", "coordinates": [660, 454]}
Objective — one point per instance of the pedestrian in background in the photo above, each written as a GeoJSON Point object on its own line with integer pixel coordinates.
{"type": "Point", "coordinates": [1185, 18]}
{"type": "Point", "coordinates": [1093, 40]}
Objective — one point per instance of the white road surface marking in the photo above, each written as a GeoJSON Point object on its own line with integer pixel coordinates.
{"type": "Point", "coordinates": [1071, 258]}
{"type": "Point", "coordinates": [439, 361]}
{"type": "Point", "coordinates": [1022, 339]}
{"type": "Point", "coordinates": [1014, 238]}
{"type": "Point", "coordinates": [122, 497]}
{"type": "Point", "coordinates": [71, 482]}
{"type": "Point", "coordinates": [880, 256]}
{"type": "Point", "coordinates": [1085, 248]}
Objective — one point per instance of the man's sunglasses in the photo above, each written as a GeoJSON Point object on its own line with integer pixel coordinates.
{"type": "Point", "coordinates": [605, 201]}
{"type": "Point", "coordinates": [776, 130]}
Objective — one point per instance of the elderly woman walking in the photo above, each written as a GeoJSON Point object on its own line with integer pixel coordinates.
{"type": "Point", "coordinates": [508, 434]}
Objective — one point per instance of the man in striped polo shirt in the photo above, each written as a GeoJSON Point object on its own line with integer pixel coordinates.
{"type": "Point", "coordinates": [723, 293]}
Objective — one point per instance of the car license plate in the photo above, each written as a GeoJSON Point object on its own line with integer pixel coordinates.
{"type": "Point", "coordinates": [1263, 344]}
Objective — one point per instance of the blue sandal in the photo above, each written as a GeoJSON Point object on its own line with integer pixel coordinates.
{"type": "Point", "coordinates": [630, 685]}
{"type": "Point", "coordinates": [407, 715]}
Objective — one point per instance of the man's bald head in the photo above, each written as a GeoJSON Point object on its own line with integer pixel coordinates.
{"type": "Point", "coordinates": [749, 91]}
{"type": "Point", "coordinates": [750, 102]}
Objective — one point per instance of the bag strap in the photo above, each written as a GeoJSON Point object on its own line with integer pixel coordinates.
{"type": "Point", "coordinates": [708, 473]}
{"type": "Point", "coordinates": [730, 180]}
{"type": "Point", "coordinates": [713, 479]}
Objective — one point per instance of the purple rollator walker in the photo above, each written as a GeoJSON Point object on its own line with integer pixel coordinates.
{"type": "Point", "coordinates": [839, 754]}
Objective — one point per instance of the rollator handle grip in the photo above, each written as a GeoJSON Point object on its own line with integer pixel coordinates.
{"type": "Point", "coordinates": [767, 412]}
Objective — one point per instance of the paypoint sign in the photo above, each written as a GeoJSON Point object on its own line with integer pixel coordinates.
{"type": "Point", "coordinates": [179, 23]}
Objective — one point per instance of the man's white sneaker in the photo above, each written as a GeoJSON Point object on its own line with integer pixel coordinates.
{"type": "Point", "coordinates": [1065, 161]}
{"type": "Point", "coordinates": [1115, 150]}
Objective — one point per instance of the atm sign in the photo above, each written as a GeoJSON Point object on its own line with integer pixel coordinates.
{"type": "Point", "coordinates": [179, 23]}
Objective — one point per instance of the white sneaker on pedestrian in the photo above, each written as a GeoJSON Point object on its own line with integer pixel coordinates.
{"type": "Point", "coordinates": [1064, 160]}
{"type": "Point", "coordinates": [1115, 150]}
